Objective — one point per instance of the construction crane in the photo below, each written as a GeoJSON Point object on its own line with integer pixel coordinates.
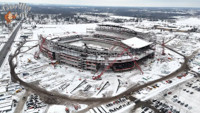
{"type": "Point", "coordinates": [134, 61]}
{"type": "Point", "coordinates": [108, 67]}
{"type": "Point", "coordinates": [36, 56]}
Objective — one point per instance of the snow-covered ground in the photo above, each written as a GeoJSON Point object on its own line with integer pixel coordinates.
{"type": "Point", "coordinates": [64, 78]}
{"type": "Point", "coordinates": [195, 63]}
{"type": "Point", "coordinates": [186, 43]}
{"type": "Point", "coordinates": [192, 21]}
{"type": "Point", "coordinates": [58, 78]}
{"type": "Point", "coordinates": [186, 99]}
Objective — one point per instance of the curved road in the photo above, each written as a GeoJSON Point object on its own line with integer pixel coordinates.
{"type": "Point", "coordinates": [57, 98]}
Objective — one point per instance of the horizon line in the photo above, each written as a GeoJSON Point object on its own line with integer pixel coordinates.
{"type": "Point", "coordinates": [99, 5]}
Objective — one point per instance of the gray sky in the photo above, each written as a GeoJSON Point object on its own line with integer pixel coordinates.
{"type": "Point", "coordinates": [145, 3]}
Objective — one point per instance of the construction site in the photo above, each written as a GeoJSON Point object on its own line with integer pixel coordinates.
{"type": "Point", "coordinates": [93, 62]}
{"type": "Point", "coordinates": [108, 47]}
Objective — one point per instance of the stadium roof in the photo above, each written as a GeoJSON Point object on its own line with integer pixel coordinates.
{"type": "Point", "coordinates": [136, 43]}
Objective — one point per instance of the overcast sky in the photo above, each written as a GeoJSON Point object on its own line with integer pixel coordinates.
{"type": "Point", "coordinates": [145, 3]}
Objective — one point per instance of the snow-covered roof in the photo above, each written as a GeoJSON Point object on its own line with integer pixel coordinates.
{"type": "Point", "coordinates": [135, 43]}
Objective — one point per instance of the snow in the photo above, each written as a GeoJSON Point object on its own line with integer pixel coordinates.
{"type": "Point", "coordinates": [163, 87]}
{"type": "Point", "coordinates": [182, 96]}
{"type": "Point", "coordinates": [5, 108]}
{"type": "Point", "coordinates": [79, 44]}
{"type": "Point", "coordinates": [136, 43]}
{"type": "Point", "coordinates": [2, 89]}
{"type": "Point", "coordinates": [185, 43]}
{"type": "Point", "coordinates": [122, 17]}
{"type": "Point", "coordinates": [90, 45]}
{"type": "Point", "coordinates": [52, 78]}
{"type": "Point", "coordinates": [60, 29]}
{"type": "Point", "coordinates": [57, 109]}
{"type": "Point", "coordinates": [192, 21]}
{"type": "Point", "coordinates": [195, 63]}
{"type": "Point", "coordinates": [110, 23]}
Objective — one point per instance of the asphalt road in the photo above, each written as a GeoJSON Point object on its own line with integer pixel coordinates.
{"type": "Point", "coordinates": [57, 98]}
{"type": "Point", "coordinates": [21, 103]}
{"type": "Point", "coordinates": [4, 51]}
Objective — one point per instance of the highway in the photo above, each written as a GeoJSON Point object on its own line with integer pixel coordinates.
{"type": "Point", "coordinates": [4, 51]}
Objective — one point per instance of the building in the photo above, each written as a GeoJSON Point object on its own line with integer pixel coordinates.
{"type": "Point", "coordinates": [112, 45]}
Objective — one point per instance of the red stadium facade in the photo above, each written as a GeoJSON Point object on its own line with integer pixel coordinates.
{"type": "Point", "coordinates": [109, 45]}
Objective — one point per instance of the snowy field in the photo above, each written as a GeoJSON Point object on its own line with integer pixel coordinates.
{"type": "Point", "coordinates": [58, 77]}
{"type": "Point", "coordinates": [186, 44]}
{"type": "Point", "coordinates": [64, 78]}
{"type": "Point", "coordinates": [192, 21]}
{"type": "Point", "coordinates": [195, 63]}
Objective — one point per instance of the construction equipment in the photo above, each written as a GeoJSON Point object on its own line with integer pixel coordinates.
{"type": "Point", "coordinates": [54, 63]}
{"type": "Point", "coordinates": [134, 60]}
{"type": "Point", "coordinates": [104, 87]}
{"type": "Point", "coordinates": [37, 54]}
{"type": "Point", "coordinates": [108, 67]}
{"type": "Point", "coordinates": [81, 84]}
{"type": "Point", "coordinates": [119, 84]}
{"type": "Point", "coordinates": [87, 87]}
{"type": "Point", "coordinates": [67, 110]}
{"type": "Point", "coordinates": [18, 90]}
{"type": "Point", "coordinates": [76, 107]}
{"type": "Point", "coordinates": [29, 60]}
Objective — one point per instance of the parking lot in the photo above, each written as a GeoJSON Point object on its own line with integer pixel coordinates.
{"type": "Point", "coordinates": [181, 99]}
{"type": "Point", "coordinates": [33, 103]}
{"type": "Point", "coordinates": [118, 104]}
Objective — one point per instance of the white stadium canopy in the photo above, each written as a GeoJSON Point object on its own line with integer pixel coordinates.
{"type": "Point", "coordinates": [136, 43]}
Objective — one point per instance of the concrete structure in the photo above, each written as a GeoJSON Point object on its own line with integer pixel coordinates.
{"type": "Point", "coordinates": [107, 45]}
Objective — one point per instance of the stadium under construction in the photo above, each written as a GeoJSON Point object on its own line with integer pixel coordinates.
{"type": "Point", "coordinates": [112, 46]}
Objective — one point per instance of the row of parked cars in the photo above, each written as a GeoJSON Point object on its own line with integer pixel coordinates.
{"type": "Point", "coordinates": [187, 91]}
{"type": "Point", "coordinates": [176, 100]}
{"type": "Point", "coordinates": [119, 107]}
{"type": "Point", "coordinates": [34, 102]}
{"type": "Point", "coordinates": [146, 110]}
{"type": "Point", "coordinates": [163, 107]}
{"type": "Point", "coordinates": [191, 85]}
{"type": "Point", "coordinates": [118, 104]}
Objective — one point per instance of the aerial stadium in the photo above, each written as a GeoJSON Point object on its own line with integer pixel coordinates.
{"type": "Point", "coordinates": [115, 47]}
